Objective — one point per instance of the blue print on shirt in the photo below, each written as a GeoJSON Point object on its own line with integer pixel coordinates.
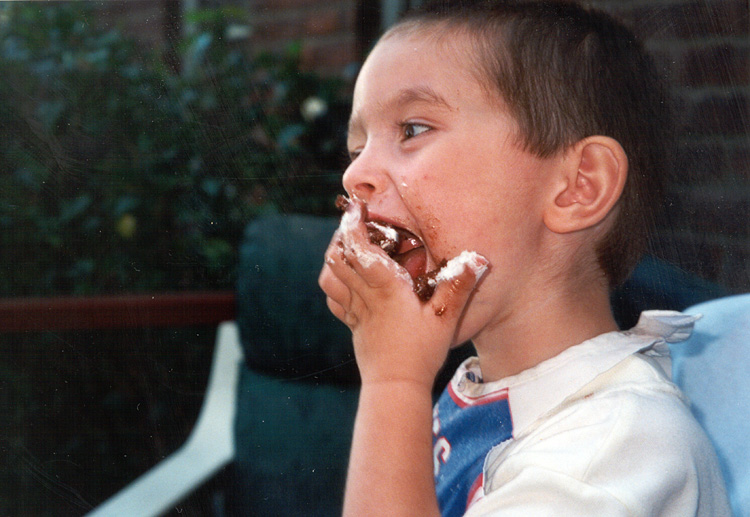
{"type": "Point", "coordinates": [464, 432]}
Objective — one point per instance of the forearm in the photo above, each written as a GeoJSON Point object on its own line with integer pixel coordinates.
{"type": "Point", "coordinates": [390, 469]}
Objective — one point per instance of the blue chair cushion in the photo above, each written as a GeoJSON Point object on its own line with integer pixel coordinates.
{"type": "Point", "coordinates": [292, 446]}
{"type": "Point", "coordinates": [285, 326]}
{"type": "Point", "coordinates": [712, 368]}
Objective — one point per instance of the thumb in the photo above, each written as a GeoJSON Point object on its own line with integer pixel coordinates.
{"type": "Point", "coordinates": [456, 281]}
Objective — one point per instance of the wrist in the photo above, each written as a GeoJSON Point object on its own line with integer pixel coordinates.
{"type": "Point", "coordinates": [415, 365]}
{"type": "Point", "coordinates": [408, 382]}
{"type": "Point", "coordinates": [391, 458]}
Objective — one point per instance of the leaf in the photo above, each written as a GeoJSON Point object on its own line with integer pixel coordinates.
{"type": "Point", "coordinates": [195, 54]}
{"type": "Point", "coordinates": [50, 113]}
{"type": "Point", "coordinates": [217, 252]}
{"type": "Point", "coordinates": [211, 186]}
{"type": "Point", "coordinates": [125, 204]}
{"type": "Point", "coordinates": [288, 138]}
{"type": "Point", "coordinates": [72, 209]}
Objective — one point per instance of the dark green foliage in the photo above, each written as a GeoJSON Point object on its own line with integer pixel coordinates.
{"type": "Point", "coordinates": [118, 173]}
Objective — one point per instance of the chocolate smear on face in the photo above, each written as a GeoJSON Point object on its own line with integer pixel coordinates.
{"type": "Point", "coordinates": [424, 284]}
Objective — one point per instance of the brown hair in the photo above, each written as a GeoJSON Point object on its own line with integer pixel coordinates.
{"type": "Point", "coordinates": [566, 73]}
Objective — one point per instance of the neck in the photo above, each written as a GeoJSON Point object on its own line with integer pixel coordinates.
{"type": "Point", "coordinates": [541, 328]}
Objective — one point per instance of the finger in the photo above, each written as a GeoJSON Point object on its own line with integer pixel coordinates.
{"type": "Point", "coordinates": [339, 298]}
{"type": "Point", "coordinates": [371, 263]}
{"type": "Point", "coordinates": [337, 310]}
{"type": "Point", "coordinates": [344, 266]}
{"type": "Point", "coordinates": [369, 260]}
{"type": "Point", "coordinates": [456, 282]}
{"type": "Point", "coordinates": [333, 287]}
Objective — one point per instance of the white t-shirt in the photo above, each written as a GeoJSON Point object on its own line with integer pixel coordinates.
{"type": "Point", "coordinates": [598, 430]}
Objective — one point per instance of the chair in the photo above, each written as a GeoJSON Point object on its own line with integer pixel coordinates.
{"type": "Point", "coordinates": [288, 365]}
{"type": "Point", "coordinates": [712, 368]}
{"type": "Point", "coordinates": [209, 447]}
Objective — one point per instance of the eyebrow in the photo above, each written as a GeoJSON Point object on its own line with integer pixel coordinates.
{"type": "Point", "coordinates": [419, 94]}
{"type": "Point", "coordinates": [404, 97]}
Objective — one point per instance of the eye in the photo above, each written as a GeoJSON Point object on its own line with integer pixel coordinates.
{"type": "Point", "coordinates": [353, 154]}
{"type": "Point", "coordinates": [353, 151]}
{"type": "Point", "coordinates": [412, 129]}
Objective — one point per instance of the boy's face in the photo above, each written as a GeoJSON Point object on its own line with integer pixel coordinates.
{"type": "Point", "coordinates": [435, 153]}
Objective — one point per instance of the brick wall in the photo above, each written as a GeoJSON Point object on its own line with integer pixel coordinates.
{"type": "Point", "coordinates": [150, 21]}
{"type": "Point", "coordinates": [326, 29]}
{"type": "Point", "coordinates": [154, 23]}
{"type": "Point", "coordinates": [703, 47]}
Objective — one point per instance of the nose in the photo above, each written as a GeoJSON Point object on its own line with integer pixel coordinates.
{"type": "Point", "coordinates": [366, 175]}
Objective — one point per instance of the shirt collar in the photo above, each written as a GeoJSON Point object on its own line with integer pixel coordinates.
{"type": "Point", "coordinates": [537, 390]}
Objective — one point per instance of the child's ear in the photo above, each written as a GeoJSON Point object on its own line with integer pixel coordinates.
{"type": "Point", "coordinates": [590, 183]}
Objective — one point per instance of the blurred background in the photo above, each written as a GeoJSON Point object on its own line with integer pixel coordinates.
{"type": "Point", "coordinates": [140, 138]}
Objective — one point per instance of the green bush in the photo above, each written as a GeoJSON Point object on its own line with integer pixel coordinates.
{"type": "Point", "coordinates": [118, 173]}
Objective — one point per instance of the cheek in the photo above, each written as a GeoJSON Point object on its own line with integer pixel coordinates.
{"type": "Point", "coordinates": [427, 209]}
{"type": "Point", "coordinates": [446, 233]}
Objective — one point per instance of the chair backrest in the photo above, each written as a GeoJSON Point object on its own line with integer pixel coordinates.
{"type": "Point", "coordinates": [298, 392]}
{"type": "Point", "coordinates": [285, 326]}
{"type": "Point", "coordinates": [712, 368]}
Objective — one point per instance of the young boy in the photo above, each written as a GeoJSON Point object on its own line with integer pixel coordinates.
{"type": "Point", "coordinates": [521, 143]}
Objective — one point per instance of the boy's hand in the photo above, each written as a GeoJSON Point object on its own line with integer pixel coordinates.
{"type": "Point", "coordinates": [396, 336]}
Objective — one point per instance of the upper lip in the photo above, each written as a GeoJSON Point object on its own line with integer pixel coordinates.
{"type": "Point", "coordinates": [403, 230]}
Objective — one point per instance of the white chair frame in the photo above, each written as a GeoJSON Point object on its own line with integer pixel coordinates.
{"type": "Point", "coordinates": [207, 450]}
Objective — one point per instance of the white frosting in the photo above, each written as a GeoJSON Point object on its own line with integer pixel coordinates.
{"type": "Point", "coordinates": [366, 256]}
{"type": "Point", "coordinates": [349, 220]}
{"type": "Point", "coordinates": [457, 265]}
{"type": "Point", "coordinates": [389, 232]}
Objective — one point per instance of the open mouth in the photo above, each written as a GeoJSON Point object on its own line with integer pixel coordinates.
{"type": "Point", "coordinates": [408, 251]}
{"type": "Point", "coordinates": [405, 248]}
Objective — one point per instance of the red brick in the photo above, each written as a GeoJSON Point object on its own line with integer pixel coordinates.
{"type": "Point", "coordinates": [142, 19]}
{"type": "Point", "coordinates": [278, 5]}
{"type": "Point", "coordinates": [296, 25]}
{"type": "Point", "coordinates": [331, 54]}
{"type": "Point", "coordinates": [326, 30]}
{"type": "Point", "coordinates": [324, 22]}
{"type": "Point", "coordinates": [272, 29]}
